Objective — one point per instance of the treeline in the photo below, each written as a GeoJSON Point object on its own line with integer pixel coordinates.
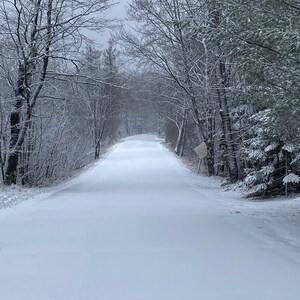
{"type": "Point", "coordinates": [221, 72]}
{"type": "Point", "coordinates": [61, 98]}
{"type": "Point", "coordinates": [226, 72]}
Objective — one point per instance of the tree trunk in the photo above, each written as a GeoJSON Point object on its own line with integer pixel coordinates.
{"type": "Point", "coordinates": [16, 139]}
{"type": "Point", "coordinates": [14, 148]}
{"type": "Point", "coordinates": [222, 82]}
{"type": "Point", "coordinates": [210, 159]}
{"type": "Point", "coordinates": [12, 168]}
{"type": "Point", "coordinates": [97, 150]}
{"type": "Point", "coordinates": [181, 136]}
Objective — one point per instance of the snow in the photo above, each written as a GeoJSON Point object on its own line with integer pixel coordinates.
{"type": "Point", "coordinates": [271, 147]}
{"type": "Point", "coordinates": [13, 195]}
{"type": "Point", "coordinates": [289, 147]}
{"type": "Point", "coordinates": [291, 178]}
{"type": "Point", "coordinates": [278, 218]}
{"type": "Point", "coordinates": [140, 226]}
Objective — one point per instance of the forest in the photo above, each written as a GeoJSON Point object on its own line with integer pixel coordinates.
{"type": "Point", "coordinates": [223, 72]}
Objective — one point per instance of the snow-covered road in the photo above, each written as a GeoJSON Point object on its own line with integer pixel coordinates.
{"type": "Point", "coordinates": [136, 227]}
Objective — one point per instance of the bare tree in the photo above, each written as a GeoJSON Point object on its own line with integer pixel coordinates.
{"type": "Point", "coordinates": [40, 31]}
{"type": "Point", "coordinates": [100, 92]}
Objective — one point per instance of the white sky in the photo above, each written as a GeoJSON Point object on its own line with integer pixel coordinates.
{"type": "Point", "coordinates": [118, 11]}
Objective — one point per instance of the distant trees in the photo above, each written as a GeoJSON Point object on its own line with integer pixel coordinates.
{"type": "Point", "coordinates": [100, 91]}
{"type": "Point", "coordinates": [138, 110]}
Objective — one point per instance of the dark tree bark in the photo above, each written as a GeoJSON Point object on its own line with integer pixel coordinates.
{"type": "Point", "coordinates": [181, 136]}
{"type": "Point", "coordinates": [222, 81]}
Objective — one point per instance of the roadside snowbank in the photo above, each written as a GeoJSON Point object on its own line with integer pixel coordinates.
{"type": "Point", "coordinates": [13, 195]}
{"type": "Point", "coordinates": [278, 218]}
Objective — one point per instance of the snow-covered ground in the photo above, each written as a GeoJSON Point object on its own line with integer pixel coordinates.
{"type": "Point", "coordinates": [140, 226]}
{"type": "Point", "coordinates": [277, 218]}
{"type": "Point", "coordinates": [10, 196]}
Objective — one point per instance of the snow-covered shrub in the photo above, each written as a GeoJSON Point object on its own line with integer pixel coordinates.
{"type": "Point", "coordinates": [272, 168]}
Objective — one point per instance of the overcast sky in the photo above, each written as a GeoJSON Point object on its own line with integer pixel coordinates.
{"type": "Point", "coordinates": [118, 11]}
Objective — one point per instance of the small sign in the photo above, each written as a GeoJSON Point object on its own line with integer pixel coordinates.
{"type": "Point", "coordinates": [201, 150]}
